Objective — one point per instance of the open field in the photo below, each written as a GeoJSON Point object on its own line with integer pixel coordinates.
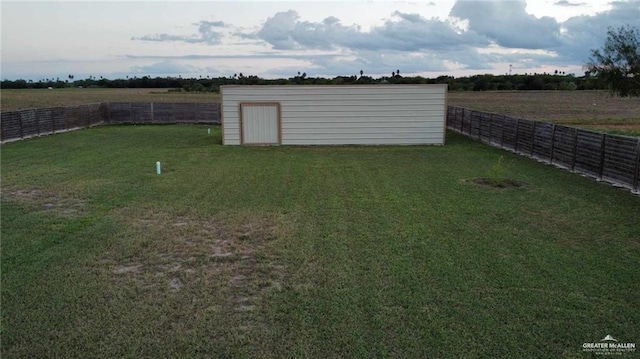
{"type": "Point", "coordinates": [596, 110]}
{"type": "Point", "coordinates": [588, 109]}
{"type": "Point", "coordinates": [22, 99]}
{"type": "Point", "coordinates": [305, 252]}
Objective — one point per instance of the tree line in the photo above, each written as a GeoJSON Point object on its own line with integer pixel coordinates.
{"type": "Point", "coordinates": [486, 82]}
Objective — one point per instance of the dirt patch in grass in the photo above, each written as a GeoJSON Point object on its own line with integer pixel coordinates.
{"type": "Point", "coordinates": [486, 182]}
{"type": "Point", "coordinates": [227, 266]}
{"type": "Point", "coordinates": [46, 201]}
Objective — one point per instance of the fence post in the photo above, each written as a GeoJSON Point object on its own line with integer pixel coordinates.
{"type": "Point", "coordinates": [515, 148]}
{"type": "Point", "coordinates": [479, 125]}
{"type": "Point", "coordinates": [64, 116]}
{"type": "Point", "coordinates": [504, 121]}
{"type": "Point", "coordinates": [35, 116]}
{"type": "Point", "coordinates": [636, 180]}
{"type": "Point", "coordinates": [21, 129]}
{"type": "Point", "coordinates": [533, 139]}
{"type": "Point", "coordinates": [602, 143]}
{"type": "Point", "coordinates": [574, 153]}
{"type": "Point", "coordinates": [553, 144]}
{"type": "Point", "coordinates": [490, 127]}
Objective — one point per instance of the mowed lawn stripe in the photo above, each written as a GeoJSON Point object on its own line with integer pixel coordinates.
{"type": "Point", "coordinates": [305, 251]}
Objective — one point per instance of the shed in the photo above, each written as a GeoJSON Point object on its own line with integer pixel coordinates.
{"type": "Point", "coordinates": [333, 115]}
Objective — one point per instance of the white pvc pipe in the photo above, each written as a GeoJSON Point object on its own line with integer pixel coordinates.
{"type": "Point", "coordinates": [158, 167]}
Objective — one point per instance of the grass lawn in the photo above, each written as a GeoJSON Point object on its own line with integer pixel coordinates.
{"type": "Point", "coordinates": [306, 252]}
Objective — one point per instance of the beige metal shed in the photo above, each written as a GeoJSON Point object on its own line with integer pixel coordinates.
{"type": "Point", "coordinates": [334, 115]}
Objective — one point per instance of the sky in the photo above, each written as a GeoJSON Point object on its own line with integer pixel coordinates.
{"type": "Point", "coordinates": [116, 39]}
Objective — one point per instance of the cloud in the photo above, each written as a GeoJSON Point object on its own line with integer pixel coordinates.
{"type": "Point", "coordinates": [508, 24]}
{"type": "Point", "coordinates": [159, 38]}
{"type": "Point", "coordinates": [585, 33]}
{"type": "Point", "coordinates": [568, 3]}
{"type": "Point", "coordinates": [253, 55]}
{"type": "Point", "coordinates": [491, 33]}
{"type": "Point", "coordinates": [212, 23]}
{"type": "Point", "coordinates": [404, 32]}
{"type": "Point", "coordinates": [415, 18]}
{"type": "Point", "coordinates": [206, 34]}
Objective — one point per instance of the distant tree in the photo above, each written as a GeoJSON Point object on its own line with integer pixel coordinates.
{"type": "Point", "coordinates": [398, 72]}
{"type": "Point", "coordinates": [617, 64]}
{"type": "Point", "coordinates": [393, 74]}
{"type": "Point", "coordinates": [361, 73]}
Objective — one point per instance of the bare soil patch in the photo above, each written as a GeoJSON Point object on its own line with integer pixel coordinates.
{"type": "Point", "coordinates": [46, 201]}
{"type": "Point", "coordinates": [225, 266]}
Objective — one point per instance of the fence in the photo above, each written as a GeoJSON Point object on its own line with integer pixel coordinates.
{"type": "Point", "coordinates": [15, 125]}
{"type": "Point", "coordinates": [163, 113]}
{"type": "Point", "coordinates": [605, 157]}
{"type": "Point", "coordinates": [21, 124]}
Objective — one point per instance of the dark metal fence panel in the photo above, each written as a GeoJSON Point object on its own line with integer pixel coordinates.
{"type": "Point", "coordinates": [185, 112]}
{"type": "Point", "coordinates": [466, 121]}
{"type": "Point", "coordinates": [207, 112]}
{"type": "Point", "coordinates": [10, 125]}
{"type": "Point", "coordinates": [588, 152]}
{"type": "Point", "coordinates": [526, 131]}
{"type": "Point", "coordinates": [496, 136]}
{"type": "Point", "coordinates": [45, 120]}
{"type": "Point", "coordinates": [542, 141]}
{"type": "Point", "coordinates": [163, 113]}
{"type": "Point", "coordinates": [74, 117]}
{"type": "Point", "coordinates": [29, 123]}
{"type": "Point", "coordinates": [58, 119]}
{"type": "Point", "coordinates": [619, 164]}
{"type": "Point", "coordinates": [119, 112]}
{"type": "Point", "coordinates": [15, 125]}
{"type": "Point", "coordinates": [474, 118]}
{"type": "Point", "coordinates": [510, 137]}
{"type": "Point", "coordinates": [484, 130]}
{"type": "Point", "coordinates": [611, 158]}
{"type": "Point", "coordinates": [564, 146]}
{"type": "Point", "coordinates": [141, 112]}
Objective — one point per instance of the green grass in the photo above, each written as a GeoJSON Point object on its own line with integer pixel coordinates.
{"type": "Point", "coordinates": [305, 251]}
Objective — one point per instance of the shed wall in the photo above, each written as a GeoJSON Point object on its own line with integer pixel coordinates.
{"type": "Point", "coordinates": [340, 115]}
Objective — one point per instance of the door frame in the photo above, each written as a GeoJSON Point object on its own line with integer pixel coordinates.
{"type": "Point", "coordinates": [279, 122]}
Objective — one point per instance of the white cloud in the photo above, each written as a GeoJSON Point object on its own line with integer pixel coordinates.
{"type": "Point", "coordinates": [206, 34]}
{"type": "Point", "coordinates": [508, 23]}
